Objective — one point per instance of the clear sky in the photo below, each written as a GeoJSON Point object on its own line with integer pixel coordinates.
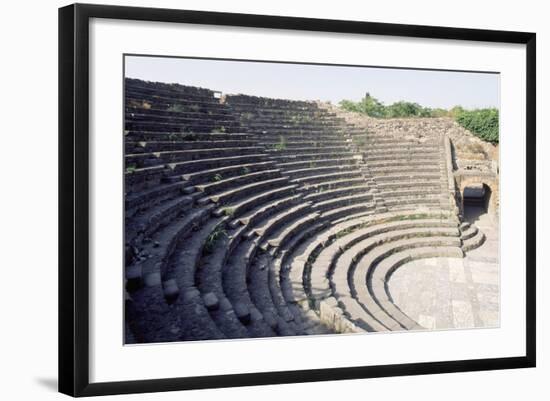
{"type": "Point", "coordinates": [315, 82]}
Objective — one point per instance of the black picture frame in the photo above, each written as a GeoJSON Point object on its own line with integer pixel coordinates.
{"type": "Point", "coordinates": [74, 198]}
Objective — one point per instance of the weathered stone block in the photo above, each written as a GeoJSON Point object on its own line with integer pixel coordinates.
{"type": "Point", "coordinates": [134, 277]}
{"type": "Point", "coordinates": [211, 301]}
{"type": "Point", "coordinates": [171, 290]}
{"type": "Point", "coordinates": [152, 279]}
{"type": "Point", "coordinates": [242, 312]}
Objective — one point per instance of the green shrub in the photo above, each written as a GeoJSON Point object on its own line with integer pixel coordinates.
{"type": "Point", "coordinates": [281, 145]}
{"type": "Point", "coordinates": [482, 123]}
{"type": "Point", "coordinates": [368, 105]}
{"type": "Point", "coordinates": [229, 211]}
{"type": "Point", "coordinates": [374, 108]}
{"type": "Point", "coordinates": [211, 240]}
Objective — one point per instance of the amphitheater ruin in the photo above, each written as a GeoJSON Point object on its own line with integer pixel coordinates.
{"type": "Point", "coordinates": [256, 217]}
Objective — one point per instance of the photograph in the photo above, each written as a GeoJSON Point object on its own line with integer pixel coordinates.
{"type": "Point", "coordinates": [271, 198]}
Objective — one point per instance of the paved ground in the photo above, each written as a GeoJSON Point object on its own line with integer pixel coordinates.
{"type": "Point", "coordinates": [447, 293]}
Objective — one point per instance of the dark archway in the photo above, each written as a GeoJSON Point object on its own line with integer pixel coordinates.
{"type": "Point", "coordinates": [476, 199]}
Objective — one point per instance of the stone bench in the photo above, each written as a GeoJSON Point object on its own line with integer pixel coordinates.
{"type": "Point", "coordinates": [243, 191]}
{"type": "Point", "coordinates": [169, 146]}
{"type": "Point", "coordinates": [237, 209]}
{"type": "Point", "coordinates": [221, 184]}
{"type": "Point", "coordinates": [142, 200]}
{"type": "Point", "coordinates": [194, 166]}
{"type": "Point", "coordinates": [145, 136]}
{"type": "Point", "coordinates": [176, 156]}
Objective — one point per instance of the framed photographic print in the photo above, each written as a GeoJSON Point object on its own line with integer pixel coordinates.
{"type": "Point", "coordinates": [250, 199]}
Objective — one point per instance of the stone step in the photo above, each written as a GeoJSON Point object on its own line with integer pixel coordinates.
{"type": "Point", "coordinates": [158, 89]}
{"type": "Point", "coordinates": [327, 176]}
{"type": "Point", "coordinates": [198, 125]}
{"type": "Point", "coordinates": [407, 177]}
{"type": "Point", "coordinates": [310, 164]}
{"type": "Point", "coordinates": [239, 208]}
{"type": "Point", "coordinates": [234, 194]}
{"type": "Point", "coordinates": [274, 134]}
{"type": "Point", "coordinates": [172, 93]}
{"type": "Point", "coordinates": [281, 265]}
{"type": "Point", "coordinates": [236, 181]}
{"type": "Point", "coordinates": [135, 117]}
{"type": "Point", "coordinates": [239, 318]}
{"type": "Point", "coordinates": [384, 171]}
{"type": "Point", "coordinates": [263, 211]}
{"type": "Point", "coordinates": [356, 187]}
{"type": "Point", "coordinates": [375, 148]}
{"type": "Point", "coordinates": [354, 210]}
{"type": "Point", "coordinates": [183, 264]}
{"type": "Point", "coordinates": [402, 157]}
{"type": "Point", "coordinates": [304, 157]}
{"type": "Point", "coordinates": [194, 166]}
{"type": "Point", "coordinates": [342, 201]}
{"type": "Point", "coordinates": [465, 225]}
{"type": "Point", "coordinates": [332, 183]}
{"type": "Point", "coordinates": [305, 137]}
{"type": "Point", "coordinates": [141, 179]}
{"type": "Point", "coordinates": [260, 294]}
{"type": "Point", "coordinates": [416, 192]}
{"type": "Point", "coordinates": [235, 286]}
{"type": "Point", "coordinates": [468, 233]}
{"type": "Point", "coordinates": [303, 143]}
{"type": "Point", "coordinates": [268, 226]}
{"type": "Point", "coordinates": [146, 223]}
{"type": "Point", "coordinates": [167, 146]}
{"type": "Point", "coordinates": [220, 173]}
{"type": "Point", "coordinates": [260, 117]}
{"type": "Point", "coordinates": [211, 111]}
{"type": "Point", "coordinates": [149, 136]}
{"type": "Point", "coordinates": [432, 185]}
{"type": "Point", "coordinates": [141, 101]}
{"type": "Point", "coordinates": [176, 156]}
{"type": "Point", "coordinates": [279, 106]}
{"type": "Point", "coordinates": [155, 253]}
{"type": "Point", "coordinates": [276, 124]}
{"type": "Point", "coordinates": [392, 163]}
{"type": "Point", "coordinates": [139, 201]}
{"type": "Point", "coordinates": [280, 237]}
{"type": "Point", "coordinates": [314, 173]}
{"type": "Point", "coordinates": [474, 242]}
{"type": "Point", "coordinates": [280, 150]}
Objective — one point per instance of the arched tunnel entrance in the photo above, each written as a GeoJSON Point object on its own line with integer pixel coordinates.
{"type": "Point", "coordinates": [476, 199]}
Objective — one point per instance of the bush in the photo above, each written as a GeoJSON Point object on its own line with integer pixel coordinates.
{"type": "Point", "coordinates": [407, 109]}
{"type": "Point", "coordinates": [374, 108]}
{"type": "Point", "coordinates": [483, 123]}
{"type": "Point", "coordinates": [368, 105]}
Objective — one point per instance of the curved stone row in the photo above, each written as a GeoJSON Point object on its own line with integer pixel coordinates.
{"type": "Point", "coordinates": [331, 272]}
{"type": "Point", "coordinates": [254, 217]}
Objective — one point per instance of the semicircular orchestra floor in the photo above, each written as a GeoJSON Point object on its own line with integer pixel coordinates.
{"type": "Point", "coordinates": [452, 293]}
